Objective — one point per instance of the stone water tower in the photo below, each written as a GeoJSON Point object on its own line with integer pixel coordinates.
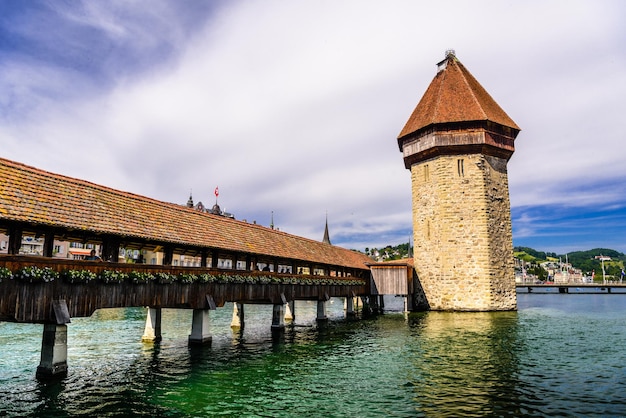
{"type": "Point", "coordinates": [457, 143]}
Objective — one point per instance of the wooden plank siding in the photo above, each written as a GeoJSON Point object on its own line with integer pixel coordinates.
{"type": "Point", "coordinates": [391, 278]}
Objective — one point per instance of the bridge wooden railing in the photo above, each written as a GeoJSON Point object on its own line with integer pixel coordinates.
{"type": "Point", "coordinates": [30, 285]}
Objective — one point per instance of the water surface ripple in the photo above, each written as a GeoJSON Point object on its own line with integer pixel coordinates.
{"type": "Point", "coordinates": [559, 355]}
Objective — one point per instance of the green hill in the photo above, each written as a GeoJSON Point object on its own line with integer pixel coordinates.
{"type": "Point", "coordinates": [584, 260]}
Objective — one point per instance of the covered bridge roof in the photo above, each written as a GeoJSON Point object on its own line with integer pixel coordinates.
{"type": "Point", "coordinates": [42, 199]}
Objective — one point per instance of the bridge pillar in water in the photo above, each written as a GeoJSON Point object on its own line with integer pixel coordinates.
{"type": "Point", "coordinates": [321, 310]}
{"type": "Point", "coordinates": [200, 327]}
{"type": "Point", "coordinates": [290, 311]}
{"type": "Point", "coordinates": [374, 307]}
{"type": "Point", "coordinates": [152, 330]}
{"type": "Point", "coordinates": [350, 306]}
{"type": "Point", "coordinates": [278, 316]}
{"type": "Point", "coordinates": [238, 316]}
{"type": "Point", "coordinates": [53, 362]}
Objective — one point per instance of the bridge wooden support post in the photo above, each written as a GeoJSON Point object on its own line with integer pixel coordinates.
{"type": "Point", "coordinates": [290, 311]}
{"type": "Point", "coordinates": [373, 299]}
{"type": "Point", "coordinates": [168, 255]}
{"type": "Point", "coordinates": [238, 316]}
{"type": "Point", "coordinates": [15, 240]}
{"type": "Point", "coordinates": [350, 306]}
{"type": "Point", "coordinates": [152, 331]}
{"type": "Point", "coordinates": [111, 249]}
{"type": "Point", "coordinates": [365, 305]}
{"type": "Point", "coordinates": [278, 317]}
{"type": "Point", "coordinates": [203, 256]}
{"type": "Point", "coordinates": [321, 310]}
{"type": "Point", "coordinates": [53, 362]}
{"type": "Point", "coordinates": [200, 327]}
{"type": "Point", "coordinates": [48, 244]}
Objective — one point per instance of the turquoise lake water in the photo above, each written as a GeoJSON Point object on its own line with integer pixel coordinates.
{"type": "Point", "coordinates": [558, 355]}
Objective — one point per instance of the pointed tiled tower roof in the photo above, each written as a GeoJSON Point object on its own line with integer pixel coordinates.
{"type": "Point", "coordinates": [455, 100]}
{"type": "Point", "coordinates": [455, 95]}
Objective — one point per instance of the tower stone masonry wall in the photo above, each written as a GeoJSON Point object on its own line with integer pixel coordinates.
{"type": "Point", "coordinates": [462, 233]}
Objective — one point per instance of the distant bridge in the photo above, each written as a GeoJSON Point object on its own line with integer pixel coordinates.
{"type": "Point", "coordinates": [573, 288]}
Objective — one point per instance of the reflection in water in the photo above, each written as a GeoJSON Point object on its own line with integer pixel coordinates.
{"type": "Point", "coordinates": [557, 356]}
{"type": "Point", "coordinates": [470, 358]}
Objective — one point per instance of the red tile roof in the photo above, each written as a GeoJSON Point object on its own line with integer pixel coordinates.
{"type": "Point", "coordinates": [455, 96]}
{"type": "Point", "coordinates": [41, 198]}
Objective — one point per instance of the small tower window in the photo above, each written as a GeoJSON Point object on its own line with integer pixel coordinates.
{"type": "Point", "coordinates": [460, 168]}
{"type": "Point", "coordinates": [426, 173]}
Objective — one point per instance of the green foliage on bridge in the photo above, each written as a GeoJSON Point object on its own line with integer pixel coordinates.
{"type": "Point", "coordinates": [5, 274]}
{"type": "Point", "coordinates": [35, 274]}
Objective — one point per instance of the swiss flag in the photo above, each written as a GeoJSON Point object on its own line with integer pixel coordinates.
{"type": "Point", "coordinates": [217, 192]}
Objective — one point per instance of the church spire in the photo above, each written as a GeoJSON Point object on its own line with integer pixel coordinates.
{"type": "Point", "coordinates": [190, 201]}
{"type": "Point", "coordinates": [326, 239]}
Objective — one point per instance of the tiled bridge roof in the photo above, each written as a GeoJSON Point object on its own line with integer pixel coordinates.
{"type": "Point", "coordinates": [75, 208]}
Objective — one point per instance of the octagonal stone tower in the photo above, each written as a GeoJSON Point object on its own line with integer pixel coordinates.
{"type": "Point", "coordinates": [457, 143]}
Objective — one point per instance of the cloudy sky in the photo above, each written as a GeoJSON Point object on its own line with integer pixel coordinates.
{"type": "Point", "coordinates": [294, 107]}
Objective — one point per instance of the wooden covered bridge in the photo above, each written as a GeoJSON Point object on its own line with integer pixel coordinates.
{"type": "Point", "coordinates": [51, 290]}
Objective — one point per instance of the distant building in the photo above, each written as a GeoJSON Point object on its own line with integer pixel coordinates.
{"type": "Point", "coordinates": [215, 210]}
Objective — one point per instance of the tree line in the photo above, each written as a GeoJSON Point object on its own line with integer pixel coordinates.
{"type": "Point", "coordinates": [583, 260]}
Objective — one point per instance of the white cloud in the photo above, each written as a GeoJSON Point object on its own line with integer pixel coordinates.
{"type": "Point", "coordinates": [295, 107]}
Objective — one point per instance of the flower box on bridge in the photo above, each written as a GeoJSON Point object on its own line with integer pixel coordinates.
{"type": "Point", "coordinates": [30, 285]}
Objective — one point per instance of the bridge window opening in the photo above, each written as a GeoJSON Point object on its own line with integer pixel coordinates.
{"type": "Point", "coordinates": [264, 267]}
{"type": "Point", "coordinates": [224, 263]}
{"type": "Point", "coordinates": [282, 268]}
{"type": "Point", "coordinates": [460, 167]}
{"type": "Point", "coordinates": [428, 229]}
